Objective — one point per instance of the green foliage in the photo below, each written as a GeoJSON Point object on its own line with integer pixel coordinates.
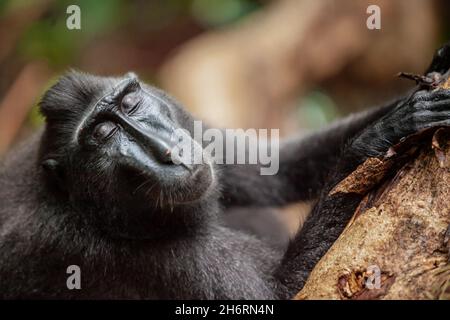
{"type": "Point", "coordinates": [35, 118]}
{"type": "Point", "coordinates": [47, 38]}
{"type": "Point", "coordinates": [316, 110]}
{"type": "Point", "coordinates": [220, 12]}
{"type": "Point", "coordinates": [9, 5]}
{"type": "Point", "coordinates": [50, 39]}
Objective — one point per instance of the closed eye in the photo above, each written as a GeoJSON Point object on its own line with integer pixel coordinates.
{"type": "Point", "coordinates": [104, 131]}
{"type": "Point", "coordinates": [130, 102]}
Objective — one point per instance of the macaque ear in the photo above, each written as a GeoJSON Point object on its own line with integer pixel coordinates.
{"type": "Point", "coordinates": [54, 171]}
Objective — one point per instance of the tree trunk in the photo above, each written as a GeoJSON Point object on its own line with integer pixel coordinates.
{"type": "Point", "coordinates": [396, 246]}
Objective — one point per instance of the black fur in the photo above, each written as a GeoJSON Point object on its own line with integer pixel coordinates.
{"type": "Point", "coordinates": [67, 198]}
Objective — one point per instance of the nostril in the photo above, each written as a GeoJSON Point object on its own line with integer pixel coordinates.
{"type": "Point", "coordinates": [167, 158]}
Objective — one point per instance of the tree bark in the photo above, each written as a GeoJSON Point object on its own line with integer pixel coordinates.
{"type": "Point", "coordinates": [398, 234]}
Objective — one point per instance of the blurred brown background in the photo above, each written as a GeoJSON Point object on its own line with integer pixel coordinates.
{"type": "Point", "coordinates": [288, 64]}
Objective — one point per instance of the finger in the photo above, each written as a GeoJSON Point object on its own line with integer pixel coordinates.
{"type": "Point", "coordinates": [435, 124]}
{"type": "Point", "coordinates": [441, 60]}
{"type": "Point", "coordinates": [442, 105]}
{"type": "Point", "coordinates": [423, 95]}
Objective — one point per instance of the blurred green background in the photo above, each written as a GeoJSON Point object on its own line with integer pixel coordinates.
{"type": "Point", "coordinates": [288, 64]}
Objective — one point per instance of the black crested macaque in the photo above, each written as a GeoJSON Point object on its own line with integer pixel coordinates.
{"type": "Point", "coordinates": [98, 188]}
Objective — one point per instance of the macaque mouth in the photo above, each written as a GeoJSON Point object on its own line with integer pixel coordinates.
{"type": "Point", "coordinates": [173, 186]}
{"type": "Point", "coordinates": [201, 182]}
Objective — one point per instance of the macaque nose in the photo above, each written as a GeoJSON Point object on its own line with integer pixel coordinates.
{"type": "Point", "coordinates": [158, 141]}
{"type": "Point", "coordinates": [165, 152]}
{"type": "Point", "coordinates": [160, 147]}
